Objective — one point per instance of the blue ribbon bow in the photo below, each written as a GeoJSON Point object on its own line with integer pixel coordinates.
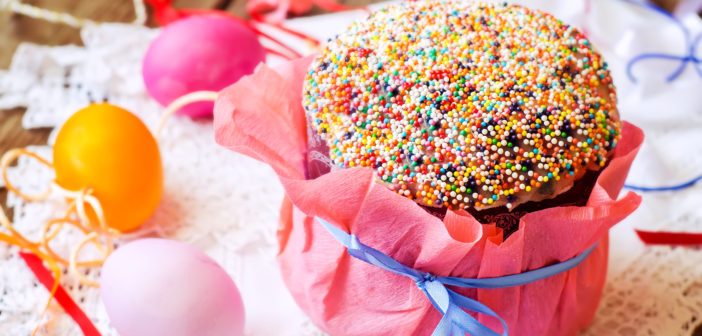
{"type": "Point", "coordinates": [455, 319]}
{"type": "Point", "coordinates": [691, 45]}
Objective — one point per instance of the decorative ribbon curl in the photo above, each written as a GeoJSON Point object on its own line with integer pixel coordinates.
{"type": "Point", "coordinates": [46, 278]}
{"type": "Point", "coordinates": [676, 187]}
{"type": "Point", "coordinates": [664, 237]}
{"type": "Point", "coordinates": [99, 234]}
{"type": "Point", "coordinates": [691, 46]}
{"type": "Point", "coordinates": [455, 321]}
{"type": "Point", "coordinates": [16, 6]}
{"type": "Point", "coordinates": [165, 14]}
{"type": "Point", "coordinates": [273, 12]}
{"type": "Point", "coordinates": [669, 238]}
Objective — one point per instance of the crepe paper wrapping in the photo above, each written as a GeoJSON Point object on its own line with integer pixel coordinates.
{"type": "Point", "coordinates": [261, 116]}
{"type": "Point", "coordinates": [69, 306]}
{"type": "Point", "coordinates": [454, 307]}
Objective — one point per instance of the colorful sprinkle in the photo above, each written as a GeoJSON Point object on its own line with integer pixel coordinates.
{"type": "Point", "coordinates": [464, 104]}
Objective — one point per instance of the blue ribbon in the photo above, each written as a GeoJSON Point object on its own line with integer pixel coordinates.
{"type": "Point", "coordinates": [676, 187]}
{"type": "Point", "coordinates": [684, 60]}
{"type": "Point", "coordinates": [455, 319]}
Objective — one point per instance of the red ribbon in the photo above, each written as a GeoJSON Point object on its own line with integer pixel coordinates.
{"type": "Point", "coordinates": [69, 306]}
{"type": "Point", "coordinates": [669, 238]}
{"type": "Point", "coordinates": [333, 6]}
{"type": "Point", "coordinates": [165, 14]}
{"type": "Point", "coordinates": [257, 14]}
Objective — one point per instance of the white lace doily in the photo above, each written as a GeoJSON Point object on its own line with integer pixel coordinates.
{"type": "Point", "coordinates": [227, 205]}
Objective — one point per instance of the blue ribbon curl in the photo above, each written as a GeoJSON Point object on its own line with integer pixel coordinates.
{"type": "Point", "coordinates": [684, 60]}
{"type": "Point", "coordinates": [691, 46]}
{"type": "Point", "coordinates": [675, 187]}
{"type": "Point", "coordinates": [455, 321]}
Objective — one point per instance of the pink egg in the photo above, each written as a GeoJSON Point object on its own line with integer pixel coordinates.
{"type": "Point", "coordinates": [162, 287]}
{"type": "Point", "coordinates": [199, 53]}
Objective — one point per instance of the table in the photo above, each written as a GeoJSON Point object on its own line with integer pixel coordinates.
{"type": "Point", "coordinates": [15, 134]}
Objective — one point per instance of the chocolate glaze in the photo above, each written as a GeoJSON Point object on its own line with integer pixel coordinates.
{"type": "Point", "coordinates": [318, 164]}
{"type": "Point", "coordinates": [508, 220]}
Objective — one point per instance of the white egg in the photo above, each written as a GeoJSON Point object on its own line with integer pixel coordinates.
{"type": "Point", "coordinates": [163, 287]}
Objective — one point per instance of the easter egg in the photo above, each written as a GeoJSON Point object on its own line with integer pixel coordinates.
{"type": "Point", "coordinates": [163, 287]}
{"type": "Point", "coordinates": [199, 53]}
{"type": "Point", "coordinates": [110, 150]}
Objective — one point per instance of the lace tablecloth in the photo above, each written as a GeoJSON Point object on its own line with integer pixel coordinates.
{"type": "Point", "coordinates": [227, 205]}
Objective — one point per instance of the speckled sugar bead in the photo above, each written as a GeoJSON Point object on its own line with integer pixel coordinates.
{"type": "Point", "coordinates": [464, 104]}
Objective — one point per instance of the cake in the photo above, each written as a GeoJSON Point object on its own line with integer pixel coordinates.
{"type": "Point", "coordinates": [406, 145]}
{"type": "Point", "coordinates": [495, 109]}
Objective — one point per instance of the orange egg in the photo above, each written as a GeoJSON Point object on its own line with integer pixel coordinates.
{"type": "Point", "coordinates": [110, 150]}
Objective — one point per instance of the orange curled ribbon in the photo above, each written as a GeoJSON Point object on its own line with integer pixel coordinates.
{"type": "Point", "coordinates": [99, 234]}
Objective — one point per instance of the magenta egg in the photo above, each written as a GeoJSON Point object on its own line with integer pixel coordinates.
{"type": "Point", "coordinates": [199, 53]}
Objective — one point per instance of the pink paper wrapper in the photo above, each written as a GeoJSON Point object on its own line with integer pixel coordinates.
{"type": "Point", "coordinates": [262, 116]}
